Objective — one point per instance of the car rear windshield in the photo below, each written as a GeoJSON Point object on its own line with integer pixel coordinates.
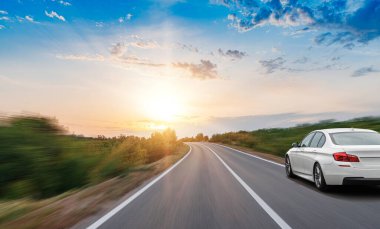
{"type": "Point", "coordinates": [356, 138]}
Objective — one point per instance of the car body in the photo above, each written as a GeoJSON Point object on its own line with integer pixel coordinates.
{"type": "Point", "coordinates": [340, 156]}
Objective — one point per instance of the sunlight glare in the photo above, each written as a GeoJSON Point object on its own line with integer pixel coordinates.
{"type": "Point", "coordinates": [163, 108]}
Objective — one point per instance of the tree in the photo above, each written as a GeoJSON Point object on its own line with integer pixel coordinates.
{"type": "Point", "coordinates": [199, 137]}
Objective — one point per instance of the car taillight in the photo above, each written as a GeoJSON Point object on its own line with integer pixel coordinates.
{"type": "Point", "coordinates": [342, 156]}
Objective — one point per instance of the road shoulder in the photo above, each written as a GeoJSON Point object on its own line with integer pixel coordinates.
{"type": "Point", "coordinates": [266, 156]}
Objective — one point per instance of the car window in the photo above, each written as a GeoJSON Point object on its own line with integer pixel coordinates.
{"type": "Point", "coordinates": [356, 138]}
{"type": "Point", "coordinates": [306, 141]}
{"type": "Point", "coordinates": [322, 141]}
{"type": "Point", "coordinates": [317, 137]}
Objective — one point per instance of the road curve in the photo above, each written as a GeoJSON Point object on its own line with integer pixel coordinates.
{"type": "Point", "coordinates": [217, 187]}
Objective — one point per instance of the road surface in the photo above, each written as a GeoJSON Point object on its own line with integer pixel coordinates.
{"type": "Point", "coordinates": [217, 187]}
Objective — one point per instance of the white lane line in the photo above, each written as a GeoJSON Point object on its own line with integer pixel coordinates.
{"type": "Point", "coordinates": [258, 199]}
{"type": "Point", "coordinates": [106, 217]}
{"type": "Point", "coordinates": [251, 155]}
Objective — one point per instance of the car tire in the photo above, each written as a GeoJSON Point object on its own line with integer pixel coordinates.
{"type": "Point", "coordinates": [319, 179]}
{"type": "Point", "coordinates": [288, 168]}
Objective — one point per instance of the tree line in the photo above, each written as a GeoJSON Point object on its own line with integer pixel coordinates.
{"type": "Point", "coordinates": [198, 138]}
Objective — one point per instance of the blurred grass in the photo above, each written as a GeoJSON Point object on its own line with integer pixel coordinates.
{"type": "Point", "coordinates": [277, 141]}
{"type": "Point", "coordinates": [13, 209]}
{"type": "Point", "coordinates": [39, 160]}
{"type": "Point", "coordinates": [71, 207]}
{"type": "Point", "coordinates": [41, 164]}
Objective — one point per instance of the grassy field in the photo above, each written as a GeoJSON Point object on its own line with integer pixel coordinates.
{"type": "Point", "coordinates": [277, 141]}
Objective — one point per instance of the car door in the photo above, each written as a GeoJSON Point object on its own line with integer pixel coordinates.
{"type": "Point", "coordinates": [297, 163]}
{"type": "Point", "coordinates": [295, 159]}
{"type": "Point", "coordinates": [309, 154]}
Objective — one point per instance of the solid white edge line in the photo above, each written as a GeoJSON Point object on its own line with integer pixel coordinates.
{"type": "Point", "coordinates": [258, 199]}
{"type": "Point", "coordinates": [250, 155]}
{"type": "Point", "coordinates": [106, 217]}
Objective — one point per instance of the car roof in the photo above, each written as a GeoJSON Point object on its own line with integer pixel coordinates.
{"type": "Point", "coordinates": [339, 130]}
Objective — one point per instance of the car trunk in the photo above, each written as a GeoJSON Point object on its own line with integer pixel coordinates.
{"type": "Point", "coordinates": [369, 156]}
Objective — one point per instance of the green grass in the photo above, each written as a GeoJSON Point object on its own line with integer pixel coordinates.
{"type": "Point", "coordinates": [277, 141]}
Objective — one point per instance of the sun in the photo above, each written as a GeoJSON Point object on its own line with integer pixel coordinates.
{"type": "Point", "coordinates": [164, 108]}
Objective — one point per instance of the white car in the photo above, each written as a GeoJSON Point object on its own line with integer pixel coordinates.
{"type": "Point", "coordinates": [336, 157]}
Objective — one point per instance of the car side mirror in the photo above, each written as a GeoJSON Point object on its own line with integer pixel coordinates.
{"type": "Point", "coordinates": [295, 145]}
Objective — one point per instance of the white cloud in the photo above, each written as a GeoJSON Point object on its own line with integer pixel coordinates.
{"type": "Point", "coordinates": [119, 53]}
{"type": "Point", "coordinates": [30, 19]}
{"type": "Point", "coordinates": [205, 70]}
{"type": "Point", "coordinates": [119, 48]}
{"type": "Point", "coordinates": [2, 27]}
{"type": "Point", "coordinates": [128, 61]}
{"type": "Point", "coordinates": [54, 14]}
{"type": "Point", "coordinates": [65, 3]}
{"type": "Point", "coordinates": [19, 19]}
{"type": "Point", "coordinates": [96, 57]}
{"type": "Point", "coordinates": [122, 60]}
{"type": "Point", "coordinates": [126, 18]}
{"type": "Point", "coordinates": [288, 19]}
{"type": "Point", "coordinates": [3, 12]}
{"type": "Point", "coordinates": [144, 44]}
{"type": "Point", "coordinates": [62, 2]}
{"type": "Point", "coordinates": [231, 17]}
{"type": "Point", "coordinates": [4, 18]}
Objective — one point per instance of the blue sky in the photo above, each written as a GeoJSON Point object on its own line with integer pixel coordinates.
{"type": "Point", "coordinates": [131, 67]}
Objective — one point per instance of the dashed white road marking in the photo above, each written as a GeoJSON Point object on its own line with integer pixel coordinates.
{"type": "Point", "coordinates": [254, 195]}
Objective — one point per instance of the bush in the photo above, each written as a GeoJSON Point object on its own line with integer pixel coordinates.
{"type": "Point", "coordinates": [18, 189]}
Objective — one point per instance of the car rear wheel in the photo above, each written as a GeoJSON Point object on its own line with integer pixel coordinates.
{"type": "Point", "coordinates": [288, 168]}
{"type": "Point", "coordinates": [319, 179]}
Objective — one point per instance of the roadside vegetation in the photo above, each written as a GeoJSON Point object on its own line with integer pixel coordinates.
{"type": "Point", "coordinates": [277, 141]}
{"type": "Point", "coordinates": [198, 138]}
{"type": "Point", "coordinates": [40, 163]}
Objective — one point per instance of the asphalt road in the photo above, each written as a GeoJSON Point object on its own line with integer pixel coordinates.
{"type": "Point", "coordinates": [217, 187]}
